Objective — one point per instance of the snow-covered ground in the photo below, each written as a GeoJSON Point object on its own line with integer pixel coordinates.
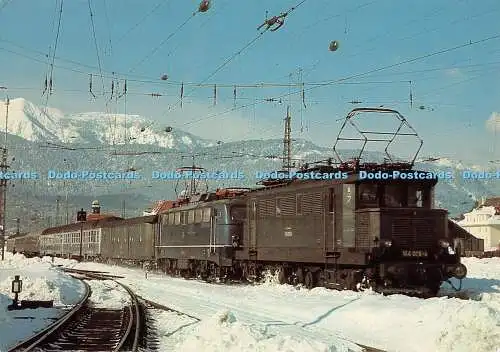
{"type": "Point", "coordinates": [393, 323]}
{"type": "Point", "coordinates": [272, 317]}
{"type": "Point", "coordinates": [41, 281]}
{"type": "Point", "coordinates": [108, 295]}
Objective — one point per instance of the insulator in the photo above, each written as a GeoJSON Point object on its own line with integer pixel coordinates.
{"type": "Point", "coordinates": [204, 6]}
{"type": "Point", "coordinates": [334, 45]}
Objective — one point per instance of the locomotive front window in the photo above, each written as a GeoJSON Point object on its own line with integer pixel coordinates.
{"type": "Point", "coordinates": [419, 196]}
{"type": "Point", "coordinates": [238, 213]}
{"type": "Point", "coordinates": [368, 195]}
{"type": "Point", "coordinates": [395, 196]}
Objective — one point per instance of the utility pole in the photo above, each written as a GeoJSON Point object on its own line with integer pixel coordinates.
{"type": "Point", "coordinates": [67, 205]}
{"type": "Point", "coordinates": [3, 181]}
{"type": "Point", "coordinates": [81, 217]}
{"type": "Point", "coordinates": [57, 211]}
{"type": "Point", "coordinates": [18, 226]}
{"type": "Point", "coordinates": [287, 143]}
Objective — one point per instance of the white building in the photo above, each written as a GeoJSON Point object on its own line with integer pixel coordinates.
{"type": "Point", "coordinates": [484, 222]}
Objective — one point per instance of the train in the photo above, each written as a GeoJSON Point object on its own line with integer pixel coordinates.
{"type": "Point", "coordinates": [351, 233]}
{"type": "Point", "coordinates": [342, 234]}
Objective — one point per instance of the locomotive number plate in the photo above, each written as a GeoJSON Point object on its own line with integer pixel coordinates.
{"type": "Point", "coordinates": [408, 253]}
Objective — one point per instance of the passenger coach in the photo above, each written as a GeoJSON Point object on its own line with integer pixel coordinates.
{"type": "Point", "coordinates": [121, 240]}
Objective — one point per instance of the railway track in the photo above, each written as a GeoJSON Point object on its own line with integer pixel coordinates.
{"type": "Point", "coordinates": [86, 328]}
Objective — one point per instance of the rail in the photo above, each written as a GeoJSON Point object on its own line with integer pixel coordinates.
{"type": "Point", "coordinates": [124, 339]}
{"type": "Point", "coordinates": [134, 309]}
{"type": "Point", "coordinates": [35, 340]}
{"type": "Point", "coordinates": [137, 313]}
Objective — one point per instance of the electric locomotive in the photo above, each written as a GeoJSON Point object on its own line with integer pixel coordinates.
{"type": "Point", "coordinates": [197, 237]}
{"type": "Point", "coordinates": [352, 232]}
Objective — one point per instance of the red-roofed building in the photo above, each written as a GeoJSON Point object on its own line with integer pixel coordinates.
{"type": "Point", "coordinates": [97, 216]}
{"type": "Point", "coordinates": [159, 207]}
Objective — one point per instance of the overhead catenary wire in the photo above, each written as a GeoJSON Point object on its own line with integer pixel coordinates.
{"type": "Point", "coordinates": [234, 55]}
{"type": "Point", "coordinates": [336, 81]}
{"type": "Point", "coordinates": [411, 36]}
{"type": "Point", "coordinates": [138, 23]}
{"type": "Point", "coordinates": [92, 25]}
{"type": "Point", "coordinates": [219, 84]}
{"type": "Point", "coordinates": [49, 81]}
{"type": "Point", "coordinates": [244, 84]}
{"type": "Point", "coordinates": [110, 52]}
{"type": "Point", "coordinates": [277, 100]}
{"type": "Point", "coordinates": [163, 42]}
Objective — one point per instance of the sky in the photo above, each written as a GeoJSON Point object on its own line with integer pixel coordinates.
{"type": "Point", "coordinates": [442, 53]}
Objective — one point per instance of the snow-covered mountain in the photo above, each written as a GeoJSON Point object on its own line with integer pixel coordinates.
{"type": "Point", "coordinates": [39, 124]}
{"type": "Point", "coordinates": [30, 128]}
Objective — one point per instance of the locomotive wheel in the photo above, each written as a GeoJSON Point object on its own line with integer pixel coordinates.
{"type": "Point", "coordinates": [282, 276]}
{"type": "Point", "coordinates": [299, 277]}
{"type": "Point", "coordinates": [309, 280]}
{"type": "Point", "coordinates": [321, 279]}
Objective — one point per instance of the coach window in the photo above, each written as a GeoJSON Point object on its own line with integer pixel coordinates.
{"type": "Point", "coordinates": [206, 214]}
{"type": "Point", "coordinates": [178, 218]}
{"type": "Point", "coordinates": [368, 195]}
{"type": "Point", "coordinates": [298, 204]}
{"type": "Point", "coordinates": [198, 215]}
{"type": "Point", "coordinates": [238, 213]}
{"type": "Point", "coordinates": [190, 219]}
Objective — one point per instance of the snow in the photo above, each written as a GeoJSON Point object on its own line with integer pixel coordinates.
{"type": "Point", "coordinates": [222, 332]}
{"type": "Point", "coordinates": [333, 318]}
{"type": "Point", "coordinates": [108, 294]}
{"type": "Point", "coordinates": [272, 317]}
{"type": "Point", "coordinates": [37, 123]}
{"type": "Point", "coordinates": [41, 281]}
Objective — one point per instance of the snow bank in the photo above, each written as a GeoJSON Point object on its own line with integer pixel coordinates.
{"type": "Point", "coordinates": [41, 281]}
{"type": "Point", "coordinates": [108, 294]}
{"type": "Point", "coordinates": [223, 333]}
{"type": "Point", "coordinates": [391, 323]}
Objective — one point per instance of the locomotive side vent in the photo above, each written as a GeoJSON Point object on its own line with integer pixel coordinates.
{"type": "Point", "coordinates": [312, 203]}
{"type": "Point", "coordinates": [363, 230]}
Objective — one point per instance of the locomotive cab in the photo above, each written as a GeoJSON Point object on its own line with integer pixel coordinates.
{"type": "Point", "coordinates": [407, 240]}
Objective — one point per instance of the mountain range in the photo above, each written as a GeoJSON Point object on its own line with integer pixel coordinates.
{"type": "Point", "coordinates": [42, 139]}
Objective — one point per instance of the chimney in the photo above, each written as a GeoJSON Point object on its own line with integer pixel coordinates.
{"type": "Point", "coordinates": [96, 208]}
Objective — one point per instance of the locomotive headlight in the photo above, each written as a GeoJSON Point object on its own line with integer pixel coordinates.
{"type": "Point", "coordinates": [387, 243]}
{"type": "Point", "coordinates": [444, 243]}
